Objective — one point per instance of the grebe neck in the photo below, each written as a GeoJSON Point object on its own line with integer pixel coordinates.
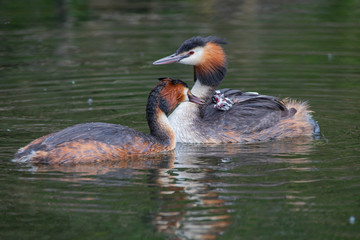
{"type": "Point", "coordinates": [158, 122]}
{"type": "Point", "coordinates": [212, 68]}
{"type": "Point", "coordinates": [203, 91]}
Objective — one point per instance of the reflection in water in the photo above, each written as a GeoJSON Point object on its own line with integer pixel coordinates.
{"type": "Point", "coordinates": [155, 161]}
{"type": "Point", "coordinates": [191, 200]}
{"type": "Point", "coordinates": [190, 208]}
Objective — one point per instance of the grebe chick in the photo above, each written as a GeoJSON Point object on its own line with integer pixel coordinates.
{"type": "Point", "coordinates": [249, 117]}
{"type": "Point", "coordinates": [92, 142]}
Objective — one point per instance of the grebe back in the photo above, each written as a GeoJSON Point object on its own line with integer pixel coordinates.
{"type": "Point", "coordinates": [92, 142]}
{"type": "Point", "coordinates": [249, 117]}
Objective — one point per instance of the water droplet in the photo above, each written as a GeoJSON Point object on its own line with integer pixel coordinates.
{"type": "Point", "coordinates": [330, 57]}
{"type": "Point", "coordinates": [225, 160]}
{"type": "Point", "coordinates": [352, 220]}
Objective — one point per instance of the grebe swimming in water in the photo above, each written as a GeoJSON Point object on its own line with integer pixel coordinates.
{"type": "Point", "coordinates": [92, 142]}
{"type": "Point", "coordinates": [248, 117]}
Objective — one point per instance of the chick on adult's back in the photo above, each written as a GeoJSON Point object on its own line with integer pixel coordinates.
{"type": "Point", "coordinates": [91, 142]}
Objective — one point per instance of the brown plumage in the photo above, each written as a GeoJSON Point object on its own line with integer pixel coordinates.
{"type": "Point", "coordinates": [93, 142]}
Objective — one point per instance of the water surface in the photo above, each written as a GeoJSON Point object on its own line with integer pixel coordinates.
{"type": "Point", "coordinates": [74, 62]}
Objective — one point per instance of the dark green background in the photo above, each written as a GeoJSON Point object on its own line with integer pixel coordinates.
{"type": "Point", "coordinates": [56, 55]}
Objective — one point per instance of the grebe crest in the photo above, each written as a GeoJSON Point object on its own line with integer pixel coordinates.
{"type": "Point", "coordinates": [207, 57]}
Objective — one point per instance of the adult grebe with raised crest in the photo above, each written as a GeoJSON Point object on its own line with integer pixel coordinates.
{"type": "Point", "coordinates": [230, 115]}
{"type": "Point", "coordinates": [92, 142]}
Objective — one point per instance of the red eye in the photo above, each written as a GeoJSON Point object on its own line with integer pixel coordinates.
{"type": "Point", "coordinates": [191, 52]}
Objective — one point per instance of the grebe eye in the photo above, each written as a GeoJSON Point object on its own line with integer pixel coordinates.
{"type": "Point", "coordinates": [191, 52]}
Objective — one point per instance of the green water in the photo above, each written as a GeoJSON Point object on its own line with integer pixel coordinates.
{"type": "Point", "coordinates": [69, 62]}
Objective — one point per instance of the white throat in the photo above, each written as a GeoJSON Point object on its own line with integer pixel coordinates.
{"type": "Point", "coordinates": [184, 118]}
{"type": "Point", "coordinates": [201, 90]}
{"type": "Point", "coordinates": [165, 124]}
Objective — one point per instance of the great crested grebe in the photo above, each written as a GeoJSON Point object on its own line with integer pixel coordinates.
{"type": "Point", "coordinates": [248, 117]}
{"type": "Point", "coordinates": [92, 142]}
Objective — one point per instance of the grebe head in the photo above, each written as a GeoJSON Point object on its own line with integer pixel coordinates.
{"type": "Point", "coordinates": [162, 100]}
{"type": "Point", "coordinates": [205, 54]}
{"type": "Point", "coordinates": [171, 92]}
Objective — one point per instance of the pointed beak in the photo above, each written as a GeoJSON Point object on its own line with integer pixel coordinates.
{"type": "Point", "coordinates": [195, 99]}
{"type": "Point", "coordinates": [169, 59]}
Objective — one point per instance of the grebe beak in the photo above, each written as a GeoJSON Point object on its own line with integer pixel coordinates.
{"type": "Point", "coordinates": [169, 59]}
{"type": "Point", "coordinates": [195, 99]}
